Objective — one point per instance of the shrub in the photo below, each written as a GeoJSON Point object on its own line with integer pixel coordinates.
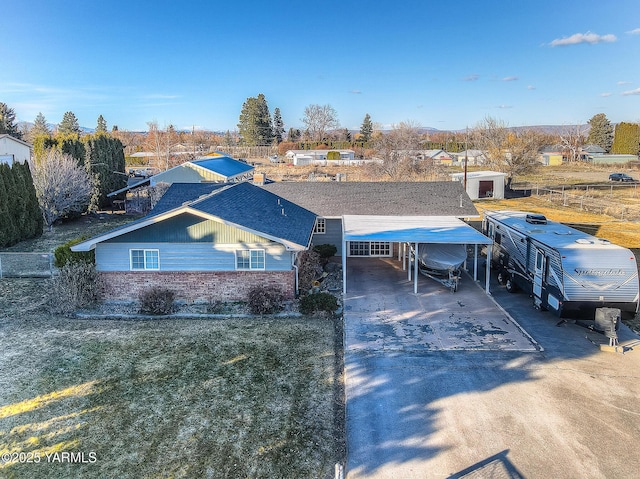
{"type": "Point", "coordinates": [64, 255]}
{"type": "Point", "coordinates": [157, 301]}
{"type": "Point", "coordinates": [309, 269]}
{"type": "Point", "coordinates": [77, 286]}
{"type": "Point", "coordinates": [325, 251]}
{"type": "Point", "coordinates": [265, 300]}
{"type": "Point", "coordinates": [312, 303]}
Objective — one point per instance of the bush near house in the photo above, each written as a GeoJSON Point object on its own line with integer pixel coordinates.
{"type": "Point", "coordinates": [157, 301]}
{"type": "Point", "coordinates": [265, 300]}
{"type": "Point", "coordinates": [64, 255]}
{"type": "Point", "coordinates": [77, 286]}
{"type": "Point", "coordinates": [316, 302]}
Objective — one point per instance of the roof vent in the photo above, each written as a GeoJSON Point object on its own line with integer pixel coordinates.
{"type": "Point", "coordinates": [536, 219]}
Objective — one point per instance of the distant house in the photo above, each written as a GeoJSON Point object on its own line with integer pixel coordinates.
{"type": "Point", "coordinates": [205, 241]}
{"type": "Point", "coordinates": [331, 201]}
{"type": "Point", "coordinates": [14, 150]}
{"type": "Point", "coordinates": [551, 156]}
{"type": "Point", "coordinates": [594, 150]}
{"type": "Point", "coordinates": [439, 156]}
{"type": "Point", "coordinates": [472, 157]}
{"type": "Point", "coordinates": [320, 157]}
{"type": "Point", "coordinates": [483, 184]}
{"type": "Point", "coordinates": [218, 169]}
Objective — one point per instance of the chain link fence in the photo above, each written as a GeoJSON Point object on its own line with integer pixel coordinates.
{"type": "Point", "coordinates": [27, 265]}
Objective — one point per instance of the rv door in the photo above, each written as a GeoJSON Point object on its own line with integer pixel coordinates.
{"type": "Point", "coordinates": [538, 275]}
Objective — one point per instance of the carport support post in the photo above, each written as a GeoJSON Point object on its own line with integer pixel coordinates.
{"type": "Point", "coordinates": [404, 256]}
{"type": "Point", "coordinates": [488, 272]}
{"type": "Point", "coordinates": [415, 270]}
{"type": "Point", "coordinates": [475, 262]}
{"type": "Point", "coordinates": [344, 264]}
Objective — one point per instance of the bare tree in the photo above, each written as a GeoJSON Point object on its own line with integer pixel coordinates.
{"type": "Point", "coordinates": [510, 150]}
{"type": "Point", "coordinates": [398, 151]}
{"type": "Point", "coordinates": [62, 186]}
{"type": "Point", "coordinates": [319, 119]}
{"type": "Point", "coordinates": [571, 140]}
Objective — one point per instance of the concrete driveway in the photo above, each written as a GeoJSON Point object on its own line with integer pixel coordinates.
{"type": "Point", "coordinates": [445, 385]}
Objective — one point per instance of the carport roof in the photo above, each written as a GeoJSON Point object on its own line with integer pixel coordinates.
{"type": "Point", "coordinates": [413, 229]}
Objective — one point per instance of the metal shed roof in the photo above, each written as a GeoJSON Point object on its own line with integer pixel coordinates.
{"type": "Point", "coordinates": [412, 229]}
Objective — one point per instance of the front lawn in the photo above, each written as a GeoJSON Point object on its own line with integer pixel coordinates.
{"type": "Point", "coordinates": [165, 398]}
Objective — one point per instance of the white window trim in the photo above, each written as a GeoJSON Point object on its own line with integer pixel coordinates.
{"type": "Point", "coordinates": [251, 266]}
{"type": "Point", "coordinates": [144, 251]}
{"type": "Point", "coordinates": [320, 227]}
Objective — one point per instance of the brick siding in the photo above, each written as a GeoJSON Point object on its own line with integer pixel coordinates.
{"type": "Point", "coordinates": [194, 286]}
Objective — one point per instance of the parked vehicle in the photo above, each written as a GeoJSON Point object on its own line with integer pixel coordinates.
{"type": "Point", "coordinates": [621, 177]}
{"type": "Point", "coordinates": [276, 159]}
{"type": "Point", "coordinates": [441, 262]}
{"type": "Point", "coordinates": [565, 270]}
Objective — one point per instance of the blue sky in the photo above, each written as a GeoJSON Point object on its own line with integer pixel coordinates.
{"type": "Point", "coordinates": [440, 64]}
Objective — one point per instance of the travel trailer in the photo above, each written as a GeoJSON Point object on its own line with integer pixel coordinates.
{"type": "Point", "coordinates": [565, 270]}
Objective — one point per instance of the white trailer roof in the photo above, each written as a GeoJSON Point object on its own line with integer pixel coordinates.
{"type": "Point", "coordinates": [413, 229]}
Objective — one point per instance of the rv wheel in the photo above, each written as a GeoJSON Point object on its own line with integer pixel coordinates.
{"type": "Point", "coordinates": [502, 276]}
{"type": "Point", "coordinates": [511, 286]}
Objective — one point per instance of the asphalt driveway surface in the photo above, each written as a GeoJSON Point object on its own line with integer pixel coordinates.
{"type": "Point", "coordinates": [466, 391]}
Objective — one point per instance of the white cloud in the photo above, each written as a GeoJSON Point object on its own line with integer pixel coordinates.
{"type": "Point", "coordinates": [505, 107]}
{"type": "Point", "coordinates": [631, 92]}
{"type": "Point", "coordinates": [473, 77]}
{"type": "Point", "coordinates": [635, 31]}
{"type": "Point", "coordinates": [606, 94]}
{"type": "Point", "coordinates": [509, 78]}
{"type": "Point", "coordinates": [622, 82]}
{"type": "Point", "coordinates": [530, 87]}
{"type": "Point", "coordinates": [356, 92]}
{"type": "Point", "coordinates": [589, 37]}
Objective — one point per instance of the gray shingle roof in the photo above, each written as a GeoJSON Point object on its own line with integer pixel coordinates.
{"type": "Point", "coordinates": [262, 211]}
{"type": "Point", "coordinates": [333, 199]}
{"type": "Point", "coordinates": [179, 193]}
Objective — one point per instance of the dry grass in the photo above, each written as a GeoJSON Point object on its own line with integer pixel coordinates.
{"type": "Point", "coordinates": [166, 398]}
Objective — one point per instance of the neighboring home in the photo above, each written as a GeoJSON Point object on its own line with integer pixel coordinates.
{"type": "Point", "coordinates": [613, 159]}
{"type": "Point", "coordinates": [321, 157]}
{"type": "Point", "coordinates": [472, 157]}
{"type": "Point", "coordinates": [593, 150]}
{"type": "Point", "coordinates": [333, 200]}
{"type": "Point", "coordinates": [206, 242]}
{"type": "Point", "coordinates": [218, 169]}
{"type": "Point", "coordinates": [439, 156]}
{"type": "Point", "coordinates": [483, 184]}
{"type": "Point", "coordinates": [551, 156]}
{"type": "Point", "coordinates": [14, 150]}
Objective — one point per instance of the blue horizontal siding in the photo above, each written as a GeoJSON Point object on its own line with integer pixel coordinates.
{"type": "Point", "coordinates": [332, 235]}
{"type": "Point", "coordinates": [190, 256]}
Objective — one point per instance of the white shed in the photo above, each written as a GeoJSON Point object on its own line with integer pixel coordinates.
{"type": "Point", "coordinates": [12, 150]}
{"type": "Point", "coordinates": [483, 184]}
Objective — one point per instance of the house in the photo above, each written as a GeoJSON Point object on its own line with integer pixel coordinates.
{"type": "Point", "coordinates": [206, 241]}
{"type": "Point", "coordinates": [13, 149]}
{"type": "Point", "coordinates": [471, 157]}
{"type": "Point", "coordinates": [439, 156]}
{"type": "Point", "coordinates": [219, 169]}
{"type": "Point", "coordinates": [320, 157]}
{"type": "Point", "coordinates": [333, 200]}
{"type": "Point", "coordinates": [551, 156]}
{"type": "Point", "coordinates": [483, 184]}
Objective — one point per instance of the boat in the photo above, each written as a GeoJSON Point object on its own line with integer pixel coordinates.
{"type": "Point", "coordinates": [442, 262]}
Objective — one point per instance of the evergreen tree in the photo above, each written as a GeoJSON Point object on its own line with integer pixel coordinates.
{"type": "Point", "coordinates": [33, 221]}
{"type": "Point", "coordinates": [69, 124]}
{"type": "Point", "coordinates": [104, 156]}
{"type": "Point", "coordinates": [278, 126]}
{"type": "Point", "coordinates": [8, 228]}
{"type": "Point", "coordinates": [294, 134]}
{"type": "Point", "coordinates": [8, 121]}
{"type": "Point", "coordinates": [101, 127]}
{"type": "Point", "coordinates": [626, 140]}
{"type": "Point", "coordinates": [40, 126]}
{"type": "Point", "coordinates": [601, 132]}
{"type": "Point", "coordinates": [72, 146]}
{"type": "Point", "coordinates": [366, 130]}
{"type": "Point", "coordinates": [254, 123]}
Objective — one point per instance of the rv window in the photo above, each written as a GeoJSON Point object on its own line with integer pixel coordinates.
{"type": "Point", "coordinates": [498, 238]}
{"type": "Point", "coordinates": [490, 230]}
{"type": "Point", "coordinates": [539, 260]}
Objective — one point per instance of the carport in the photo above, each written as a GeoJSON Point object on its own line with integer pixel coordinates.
{"type": "Point", "coordinates": [412, 230]}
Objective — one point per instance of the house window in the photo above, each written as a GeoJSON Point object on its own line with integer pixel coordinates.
{"type": "Point", "coordinates": [144, 259]}
{"type": "Point", "coordinates": [369, 248]}
{"type": "Point", "coordinates": [250, 259]}
{"type": "Point", "coordinates": [321, 226]}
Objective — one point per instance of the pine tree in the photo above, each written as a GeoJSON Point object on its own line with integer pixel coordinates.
{"type": "Point", "coordinates": [366, 130]}
{"type": "Point", "coordinates": [254, 123]}
{"type": "Point", "coordinates": [40, 126]}
{"type": "Point", "coordinates": [6, 223]}
{"type": "Point", "coordinates": [278, 126]}
{"type": "Point", "coordinates": [69, 124]}
{"type": "Point", "coordinates": [601, 132]}
{"type": "Point", "coordinates": [101, 127]}
{"type": "Point", "coordinates": [34, 221]}
{"type": "Point", "coordinates": [8, 121]}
